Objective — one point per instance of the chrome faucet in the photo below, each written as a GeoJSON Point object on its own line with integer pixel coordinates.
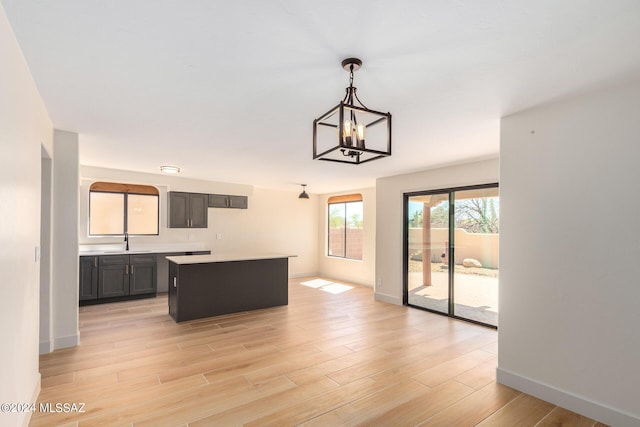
{"type": "Point", "coordinates": [126, 239]}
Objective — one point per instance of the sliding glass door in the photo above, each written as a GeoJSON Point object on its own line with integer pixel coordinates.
{"type": "Point", "coordinates": [451, 252]}
{"type": "Point", "coordinates": [427, 240]}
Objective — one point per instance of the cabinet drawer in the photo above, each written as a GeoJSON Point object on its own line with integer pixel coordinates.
{"type": "Point", "coordinates": [113, 259]}
{"type": "Point", "coordinates": [135, 259]}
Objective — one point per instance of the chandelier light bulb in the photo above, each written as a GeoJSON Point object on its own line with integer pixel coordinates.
{"type": "Point", "coordinates": [360, 134]}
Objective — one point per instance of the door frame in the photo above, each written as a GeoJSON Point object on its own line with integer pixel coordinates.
{"type": "Point", "coordinates": [451, 263]}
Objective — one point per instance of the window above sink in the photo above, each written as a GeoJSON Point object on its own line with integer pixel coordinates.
{"type": "Point", "coordinates": [116, 209]}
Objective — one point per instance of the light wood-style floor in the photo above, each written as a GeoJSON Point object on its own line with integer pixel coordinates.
{"type": "Point", "coordinates": [323, 360]}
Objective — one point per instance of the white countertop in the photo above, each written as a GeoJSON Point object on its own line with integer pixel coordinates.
{"type": "Point", "coordinates": [226, 257]}
{"type": "Point", "coordinates": [135, 249]}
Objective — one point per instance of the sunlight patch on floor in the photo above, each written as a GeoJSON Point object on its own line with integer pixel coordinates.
{"type": "Point", "coordinates": [336, 288]}
{"type": "Point", "coordinates": [327, 286]}
{"type": "Point", "coordinates": [316, 283]}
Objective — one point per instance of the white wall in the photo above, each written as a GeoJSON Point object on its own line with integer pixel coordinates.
{"type": "Point", "coordinates": [569, 317]}
{"type": "Point", "coordinates": [64, 243]}
{"type": "Point", "coordinates": [362, 271]}
{"type": "Point", "coordinates": [276, 221]}
{"type": "Point", "coordinates": [389, 215]}
{"type": "Point", "coordinates": [24, 128]}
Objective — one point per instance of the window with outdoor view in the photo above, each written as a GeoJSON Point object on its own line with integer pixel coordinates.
{"type": "Point", "coordinates": [345, 226]}
{"type": "Point", "coordinates": [118, 208]}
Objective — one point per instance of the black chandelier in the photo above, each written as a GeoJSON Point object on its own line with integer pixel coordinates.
{"type": "Point", "coordinates": [362, 134]}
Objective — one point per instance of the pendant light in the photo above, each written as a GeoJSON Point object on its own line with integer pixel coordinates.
{"type": "Point", "coordinates": [304, 194]}
{"type": "Point", "coordinates": [350, 132]}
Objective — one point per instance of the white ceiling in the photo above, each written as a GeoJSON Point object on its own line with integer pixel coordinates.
{"type": "Point", "coordinates": [228, 90]}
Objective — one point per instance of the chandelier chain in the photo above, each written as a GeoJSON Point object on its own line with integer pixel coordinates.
{"type": "Point", "coordinates": [351, 75]}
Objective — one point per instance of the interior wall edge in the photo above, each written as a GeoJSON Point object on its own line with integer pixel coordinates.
{"type": "Point", "coordinates": [67, 341]}
{"type": "Point", "coordinates": [45, 347]}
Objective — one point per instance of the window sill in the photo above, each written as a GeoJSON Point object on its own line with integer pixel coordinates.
{"type": "Point", "coordinates": [342, 258]}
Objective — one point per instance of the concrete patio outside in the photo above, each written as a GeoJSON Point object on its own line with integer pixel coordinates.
{"type": "Point", "coordinates": [476, 296]}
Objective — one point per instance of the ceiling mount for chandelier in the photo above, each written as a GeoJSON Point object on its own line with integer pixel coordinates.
{"type": "Point", "coordinates": [361, 134]}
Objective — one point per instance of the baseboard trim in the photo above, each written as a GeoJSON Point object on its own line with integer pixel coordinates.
{"type": "Point", "coordinates": [387, 298]}
{"type": "Point", "coordinates": [68, 341]}
{"type": "Point", "coordinates": [575, 403]}
{"type": "Point", "coordinates": [301, 275]}
{"type": "Point", "coordinates": [26, 418]}
{"type": "Point", "coordinates": [45, 347]}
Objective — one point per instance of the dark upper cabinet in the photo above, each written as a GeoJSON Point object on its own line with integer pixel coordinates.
{"type": "Point", "coordinates": [228, 201]}
{"type": "Point", "coordinates": [199, 204]}
{"type": "Point", "coordinates": [238, 202]}
{"type": "Point", "coordinates": [178, 209]}
{"type": "Point", "coordinates": [113, 276]}
{"type": "Point", "coordinates": [88, 278]}
{"type": "Point", "coordinates": [218, 200]}
{"type": "Point", "coordinates": [188, 210]}
{"type": "Point", "coordinates": [142, 274]}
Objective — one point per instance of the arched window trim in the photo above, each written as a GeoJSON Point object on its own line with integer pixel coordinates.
{"type": "Point", "coordinates": [115, 187]}
{"type": "Point", "coordinates": [345, 198]}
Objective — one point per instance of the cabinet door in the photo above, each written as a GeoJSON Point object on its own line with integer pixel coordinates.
{"type": "Point", "coordinates": [88, 278]}
{"type": "Point", "coordinates": [113, 276]}
{"type": "Point", "coordinates": [142, 274]}
{"type": "Point", "coordinates": [238, 202]}
{"type": "Point", "coordinates": [178, 209]}
{"type": "Point", "coordinates": [199, 203]}
{"type": "Point", "coordinates": [218, 200]}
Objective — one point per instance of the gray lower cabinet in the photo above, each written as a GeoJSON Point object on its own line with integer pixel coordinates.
{"type": "Point", "coordinates": [228, 201]}
{"type": "Point", "coordinates": [88, 278]}
{"type": "Point", "coordinates": [121, 276]}
{"type": "Point", "coordinates": [113, 276]}
{"type": "Point", "coordinates": [142, 274]}
{"type": "Point", "coordinates": [188, 210]}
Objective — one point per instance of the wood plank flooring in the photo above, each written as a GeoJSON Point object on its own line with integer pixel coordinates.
{"type": "Point", "coordinates": [324, 360]}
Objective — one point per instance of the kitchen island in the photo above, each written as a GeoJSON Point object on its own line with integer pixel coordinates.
{"type": "Point", "coordinates": [210, 285]}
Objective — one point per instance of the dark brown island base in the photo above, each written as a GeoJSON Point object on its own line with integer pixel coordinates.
{"type": "Point", "coordinates": [210, 285]}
